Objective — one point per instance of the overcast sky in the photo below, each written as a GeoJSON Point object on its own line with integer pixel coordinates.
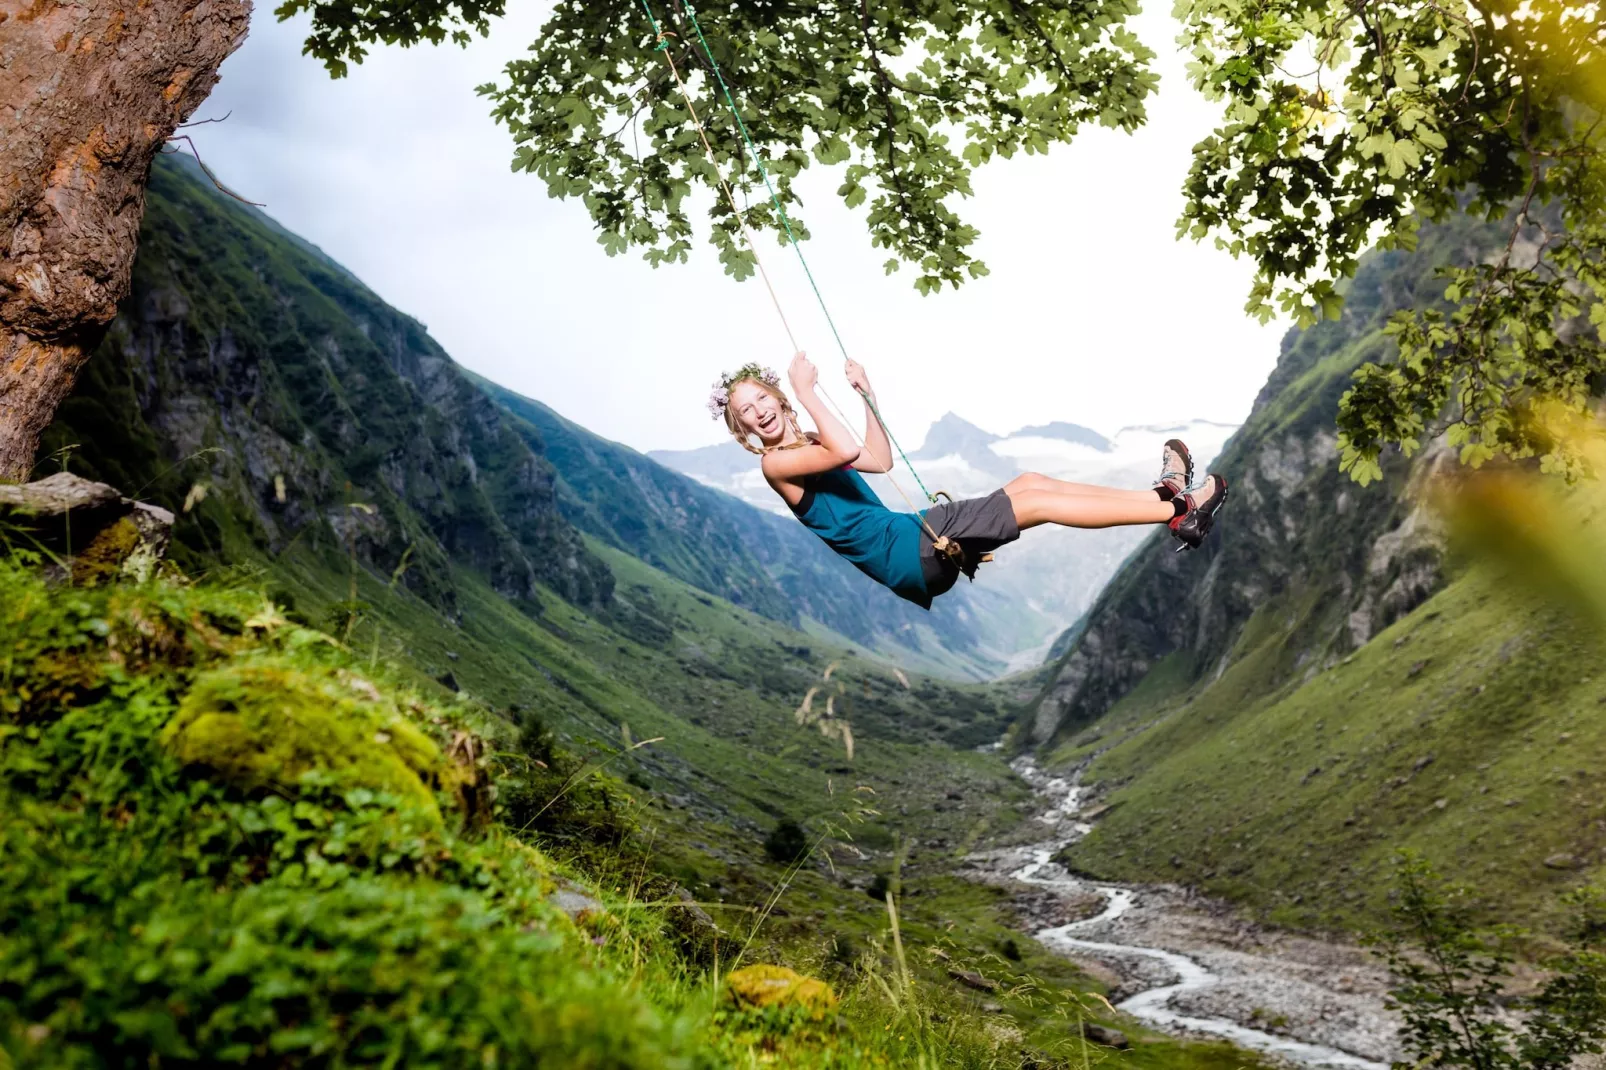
{"type": "Point", "coordinates": [1093, 313]}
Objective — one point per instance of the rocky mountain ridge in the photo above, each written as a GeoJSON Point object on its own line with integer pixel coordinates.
{"type": "Point", "coordinates": [251, 381]}
{"type": "Point", "coordinates": [1301, 548]}
{"type": "Point", "coordinates": [1274, 718]}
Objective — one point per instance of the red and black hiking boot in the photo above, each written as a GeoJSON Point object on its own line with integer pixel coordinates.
{"type": "Point", "coordinates": [1192, 526]}
{"type": "Point", "coordinates": [1176, 471]}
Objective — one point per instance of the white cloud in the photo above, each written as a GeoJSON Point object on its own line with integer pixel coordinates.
{"type": "Point", "coordinates": [1093, 313]}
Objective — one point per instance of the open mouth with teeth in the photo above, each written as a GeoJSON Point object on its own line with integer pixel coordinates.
{"type": "Point", "coordinates": [768, 423]}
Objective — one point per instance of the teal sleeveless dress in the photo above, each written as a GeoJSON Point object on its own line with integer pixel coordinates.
{"type": "Point", "coordinates": [841, 509]}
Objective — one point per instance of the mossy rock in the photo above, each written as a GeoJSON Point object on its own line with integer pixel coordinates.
{"type": "Point", "coordinates": [102, 560]}
{"type": "Point", "coordinates": [765, 986]}
{"type": "Point", "coordinates": [263, 726]}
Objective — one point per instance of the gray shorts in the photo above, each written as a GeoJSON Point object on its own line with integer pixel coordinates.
{"type": "Point", "coordinates": [979, 525]}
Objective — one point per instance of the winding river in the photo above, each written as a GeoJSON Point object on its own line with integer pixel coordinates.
{"type": "Point", "coordinates": [1187, 975]}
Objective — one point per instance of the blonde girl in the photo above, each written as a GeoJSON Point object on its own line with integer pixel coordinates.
{"type": "Point", "coordinates": [920, 556]}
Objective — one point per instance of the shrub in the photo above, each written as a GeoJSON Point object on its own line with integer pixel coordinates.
{"type": "Point", "coordinates": [1450, 983]}
{"type": "Point", "coordinates": [787, 842]}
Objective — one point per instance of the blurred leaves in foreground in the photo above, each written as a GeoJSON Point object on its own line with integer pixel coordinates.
{"type": "Point", "coordinates": [1547, 529]}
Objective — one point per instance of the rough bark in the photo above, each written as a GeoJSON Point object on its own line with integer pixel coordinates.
{"type": "Point", "coordinates": [89, 92]}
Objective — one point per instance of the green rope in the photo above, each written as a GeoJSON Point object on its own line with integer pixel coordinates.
{"type": "Point", "coordinates": [786, 222]}
{"type": "Point", "coordinates": [930, 497]}
{"type": "Point", "coordinates": [657, 34]}
{"type": "Point", "coordinates": [764, 173]}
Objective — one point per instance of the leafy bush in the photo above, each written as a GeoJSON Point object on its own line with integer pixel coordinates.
{"type": "Point", "coordinates": [550, 793]}
{"type": "Point", "coordinates": [787, 842]}
{"type": "Point", "coordinates": [1451, 983]}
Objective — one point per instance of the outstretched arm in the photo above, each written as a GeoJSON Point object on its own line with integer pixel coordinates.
{"type": "Point", "coordinates": [877, 453]}
{"type": "Point", "coordinates": [835, 447]}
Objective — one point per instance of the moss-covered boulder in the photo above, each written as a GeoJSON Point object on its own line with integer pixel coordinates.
{"type": "Point", "coordinates": [264, 725]}
{"type": "Point", "coordinates": [764, 986]}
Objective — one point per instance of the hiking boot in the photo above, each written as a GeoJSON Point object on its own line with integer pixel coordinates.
{"type": "Point", "coordinates": [1192, 526]}
{"type": "Point", "coordinates": [1176, 470]}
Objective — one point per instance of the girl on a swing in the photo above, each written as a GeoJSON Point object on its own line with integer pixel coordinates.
{"type": "Point", "coordinates": [920, 556]}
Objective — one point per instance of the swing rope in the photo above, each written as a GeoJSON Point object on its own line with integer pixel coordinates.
{"type": "Point", "coordinates": [663, 37]}
{"type": "Point", "coordinates": [791, 238]}
{"type": "Point", "coordinates": [941, 543]}
{"type": "Point", "coordinates": [775, 199]}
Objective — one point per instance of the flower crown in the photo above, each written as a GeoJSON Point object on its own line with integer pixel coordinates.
{"type": "Point", "coordinates": [721, 395]}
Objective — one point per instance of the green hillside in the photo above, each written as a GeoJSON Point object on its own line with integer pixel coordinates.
{"type": "Point", "coordinates": [384, 774]}
{"type": "Point", "coordinates": [1273, 718]}
{"type": "Point", "coordinates": [1469, 731]}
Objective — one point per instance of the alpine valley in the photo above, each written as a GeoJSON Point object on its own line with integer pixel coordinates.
{"type": "Point", "coordinates": [454, 734]}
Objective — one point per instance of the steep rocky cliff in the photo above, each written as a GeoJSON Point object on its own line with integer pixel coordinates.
{"type": "Point", "coordinates": [1273, 719]}
{"type": "Point", "coordinates": [251, 381]}
{"type": "Point", "coordinates": [1300, 551]}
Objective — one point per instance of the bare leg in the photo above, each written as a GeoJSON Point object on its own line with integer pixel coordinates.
{"type": "Point", "coordinates": [1034, 507]}
{"type": "Point", "coordinates": [1033, 481]}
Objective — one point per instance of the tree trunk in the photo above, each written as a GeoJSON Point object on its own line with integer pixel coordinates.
{"type": "Point", "coordinates": [89, 92]}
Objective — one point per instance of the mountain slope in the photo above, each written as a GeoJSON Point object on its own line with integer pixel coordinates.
{"type": "Point", "coordinates": [306, 410]}
{"type": "Point", "coordinates": [1273, 717]}
{"type": "Point", "coordinates": [1300, 548]}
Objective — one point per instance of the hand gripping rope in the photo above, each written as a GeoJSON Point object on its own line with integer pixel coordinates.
{"type": "Point", "coordinates": [941, 543]}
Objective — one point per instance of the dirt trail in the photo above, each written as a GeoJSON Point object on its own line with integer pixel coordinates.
{"type": "Point", "coordinates": [1184, 964]}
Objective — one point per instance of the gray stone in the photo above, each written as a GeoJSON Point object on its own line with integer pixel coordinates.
{"type": "Point", "coordinates": [1563, 860]}
{"type": "Point", "coordinates": [57, 496]}
{"type": "Point", "coordinates": [88, 531]}
{"type": "Point", "coordinates": [1104, 1035]}
{"type": "Point", "coordinates": [570, 898]}
{"type": "Point", "coordinates": [972, 979]}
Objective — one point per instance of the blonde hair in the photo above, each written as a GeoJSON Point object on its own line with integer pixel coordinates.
{"type": "Point", "coordinates": [734, 422]}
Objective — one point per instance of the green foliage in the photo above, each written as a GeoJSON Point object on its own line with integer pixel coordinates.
{"type": "Point", "coordinates": [1451, 983]}
{"type": "Point", "coordinates": [547, 792]}
{"type": "Point", "coordinates": [307, 914]}
{"type": "Point", "coordinates": [786, 842]}
{"type": "Point", "coordinates": [341, 33]}
{"type": "Point", "coordinates": [1343, 127]}
{"type": "Point", "coordinates": [903, 102]}
{"type": "Point", "coordinates": [1414, 112]}
{"type": "Point", "coordinates": [1511, 347]}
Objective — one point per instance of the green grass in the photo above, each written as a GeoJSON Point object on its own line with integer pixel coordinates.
{"type": "Point", "coordinates": [1470, 731]}
{"type": "Point", "coordinates": [192, 913]}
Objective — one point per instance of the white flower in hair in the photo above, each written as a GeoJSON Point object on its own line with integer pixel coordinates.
{"type": "Point", "coordinates": [718, 400]}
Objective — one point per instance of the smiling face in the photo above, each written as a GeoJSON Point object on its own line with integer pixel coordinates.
{"type": "Point", "coordinates": [757, 409]}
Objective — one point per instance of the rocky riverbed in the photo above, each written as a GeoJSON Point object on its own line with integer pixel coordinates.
{"type": "Point", "coordinates": [1186, 964]}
